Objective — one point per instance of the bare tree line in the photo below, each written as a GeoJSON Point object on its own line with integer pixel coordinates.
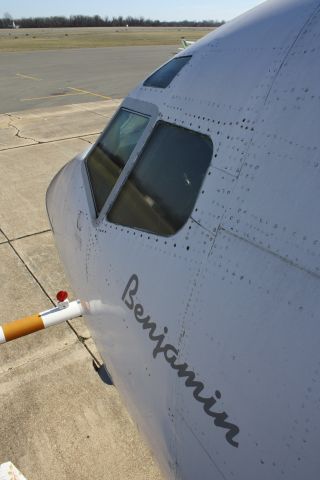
{"type": "Point", "coordinates": [97, 21]}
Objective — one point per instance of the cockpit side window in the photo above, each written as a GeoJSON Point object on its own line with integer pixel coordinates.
{"type": "Point", "coordinates": [161, 191]}
{"type": "Point", "coordinates": [107, 159]}
{"type": "Point", "coordinates": [164, 76]}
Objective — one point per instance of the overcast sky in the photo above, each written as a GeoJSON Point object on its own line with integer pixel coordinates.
{"type": "Point", "coordinates": [159, 9]}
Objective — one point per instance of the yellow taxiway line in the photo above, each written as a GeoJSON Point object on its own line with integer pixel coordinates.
{"type": "Point", "coordinates": [30, 77]}
{"type": "Point", "coordinates": [78, 91]}
{"type": "Point", "coordinates": [50, 97]}
{"type": "Point", "coordinates": [89, 93]}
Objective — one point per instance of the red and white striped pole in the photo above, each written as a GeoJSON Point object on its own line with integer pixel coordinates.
{"type": "Point", "coordinates": [64, 311]}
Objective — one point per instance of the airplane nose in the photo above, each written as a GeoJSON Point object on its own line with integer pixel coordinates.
{"type": "Point", "coordinates": [50, 195]}
{"type": "Point", "coordinates": [63, 186]}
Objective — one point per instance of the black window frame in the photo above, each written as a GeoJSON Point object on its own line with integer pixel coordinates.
{"type": "Point", "coordinates": [131, 171]}
{"type": "Point", "coordinates": [103, 133]}
{"type": "Point", "coordinates": [154, 75]}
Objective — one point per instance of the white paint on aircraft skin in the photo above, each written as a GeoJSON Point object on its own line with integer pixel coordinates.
{"type": "Point", "coordinates": [236, 290]}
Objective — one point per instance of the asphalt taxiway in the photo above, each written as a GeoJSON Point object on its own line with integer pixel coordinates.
{"type": "Point", "coordinates": [62, 77]}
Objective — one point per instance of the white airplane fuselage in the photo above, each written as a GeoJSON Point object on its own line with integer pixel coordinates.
{"type": "Point", "coordinates": [209, 321]}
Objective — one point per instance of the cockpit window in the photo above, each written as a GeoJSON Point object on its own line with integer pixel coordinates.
{"type": "Point", "coordinates": [164, 76]}
{"type": "Point", "coordinates": [161, 191]}
{"type": "Point", "coordinates": [107, 159]}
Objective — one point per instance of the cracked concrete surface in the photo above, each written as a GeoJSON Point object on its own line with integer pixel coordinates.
{"type": "Point", "coordinates": [18, 134]}
{"type": "Point", "coordinates": [57, 124]}
{"type": "Point", "coordinates": [57, 418]}
{"type": "Point", "coordinates": [9, 137]}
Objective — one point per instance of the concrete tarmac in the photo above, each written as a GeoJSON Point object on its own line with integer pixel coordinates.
{"type": "Point", "coordinates": [62, 77]}
{"type": "Point", "coordinates": [58, 419]}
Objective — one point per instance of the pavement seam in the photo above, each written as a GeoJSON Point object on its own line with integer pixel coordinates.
{"type": "Point", "coordinates": [5, 236]}
{"type": "Point", "coordinates": [27, 235]}
{"type": "Point", "coordinates": [79, 137]}
{"type": "Point", "coordinates": [82, 340]}
{"type": "Point", "coordinates": [99, 114]}
{"type": "Point", "coordinates": [85, 140]}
